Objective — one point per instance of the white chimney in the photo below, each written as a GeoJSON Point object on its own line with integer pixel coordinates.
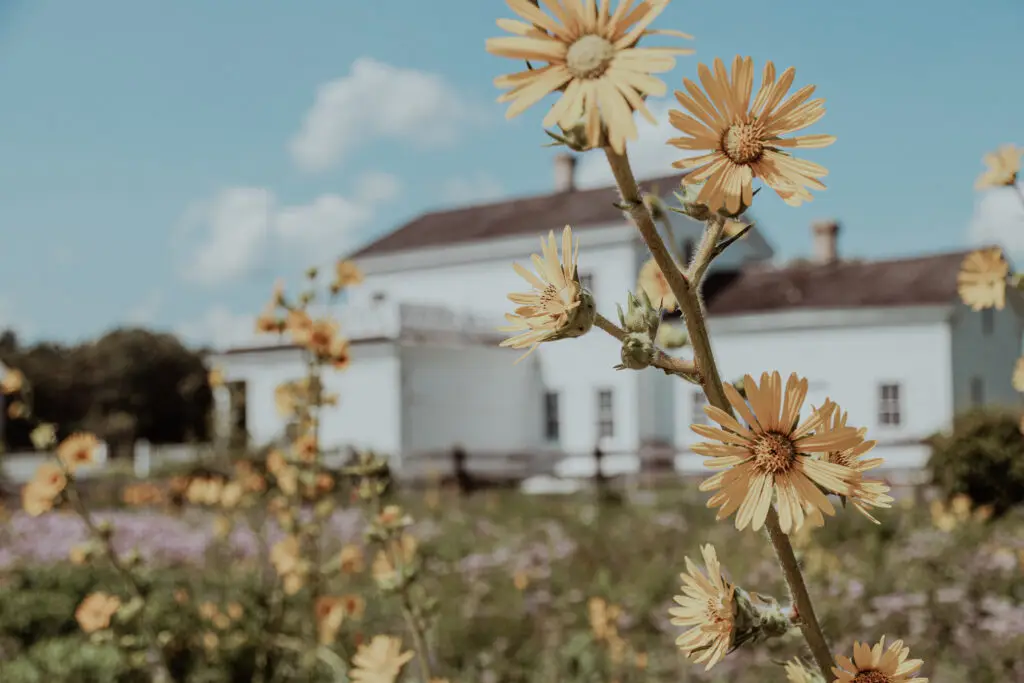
{"type": "Point", "coordinates": [565, 172]}
{"type": "Point", "coordinates": [825, 236]}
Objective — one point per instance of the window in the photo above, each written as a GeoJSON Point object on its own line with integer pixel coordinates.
{"type": "Point", "coordinates": [587, 280]}
{"type": "Point", "coordinates": [977, 392]}
{"type": "Point", "coordinates": [551, 422]}
{"type": "Point", "coordinates": [605, 414]}
{"type": "Point", "coordinates": [378, 297]}
{"type": "Point", "coordinates": [987, 321]}
{"type": "Point", "coordinates": [889, 405]}
{"type": "Point", "coordinates": [697, 415]}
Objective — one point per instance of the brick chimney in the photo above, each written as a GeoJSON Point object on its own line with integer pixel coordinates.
{"type": "Point", "coordinates": [565, 172]}
{"type": "Point", "coordinates": [825, 236]}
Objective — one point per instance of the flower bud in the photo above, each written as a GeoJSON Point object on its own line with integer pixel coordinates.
{"type": "Point", "coordinates": [758, 618]}
{"type": "Point", "coordinates": [637, 352]}
{"type": "Point", "coordinates": [641, 316]}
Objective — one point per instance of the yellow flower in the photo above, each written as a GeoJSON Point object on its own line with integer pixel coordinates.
{"type": "Point", "coordinates": [864, 493]}
{"type": "Point", "coordinates": [402, 550]}
{"type": "Point", "coordinates": [351, 559]}
{"type": "Point", "coordinates": [878, 664]}
{"type": "Point", "coordinates": [355, 605]}
{"type": "Point", "coordinates": [284, 555]}
{"type": "Point", "coordinates": [380, 661]}
{"type": "Point", "coordinates": [235, 611]}
{"type": "Point", "coordinates": [346, 274]}
{"type": "Point", "coordinates": [592, 57]}
{"type": "Point", "coordinates": [306, 448]}
{"type": "Point", "coordinates": [652, 281]}
{"type": "Point", "coordinates": [1003, 167]}
{"type": "Point", "coordinates": [981, 281]}
{"type": "Point", "coordinates": [330, 612]}
{"type": "Point", "coordinates": [76, 450]}
{"type": "Point", "coordinates": [708, 608]}
{"type": "Point", "coordinates": [95, 611]}
{"type": "Point", "coordinates": [796, 673]}
{"type": "Point", "coordinates": [558, 307]}
{"type": "Point", "coordinates": [771, 456]}
{"type": "Point", "coordinates": [521, 580]}
{"type": "Point", "coordinates": [12, 382]}
{"type": "Point", "coordinates": [744, 137]}
{"type": "Point", "coordinates": [603, 618]}
{"type": "Point", "coordinates": [1018, 375]}
{"type": "Point", "coordinates": [46, 484]}
{"type": "Point", "coordinates": [79, 554]}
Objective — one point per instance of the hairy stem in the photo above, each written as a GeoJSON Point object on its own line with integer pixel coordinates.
{"type": "Point", "coordinates": [662, 360]}
{"type": "Point", "coordinates": [689, 301]}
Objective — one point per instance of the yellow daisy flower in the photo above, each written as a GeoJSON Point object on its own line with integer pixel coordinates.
{"type": "Point", "coordinates": [77, 450]}
{"type": "Point", "coordinates": [558, 307]}
{"type": "Point", "coordinates": [95, 611]}
{"type": "Point", "coordinates": [770, 457]}
{"type": "Point", "coordinates": [380, 661]}
{"type": "Point", "coordinates": [744, 137]}
{"type": "Point", "coordinates": [878, 664]}
{"type": "Point", "coordinates": [591, 55]}
{"type": "Point", "coordinates": [707, 606]}
{"type": "Point", "coordinates": [864, 493]}
{"type": "Point", "coordinates": [981, 281]}
{"type": "Point", "coordinates": [1003, 167]}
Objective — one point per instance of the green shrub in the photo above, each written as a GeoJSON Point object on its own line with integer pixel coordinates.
{"type": "Point", "coordinates": [983, 457]}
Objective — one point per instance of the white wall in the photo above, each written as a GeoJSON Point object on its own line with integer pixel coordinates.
{"type": "Point", "coordinates": [367, 415]}
{"type": "Point", "coordinates": [469, 395]}
{"type": "Point", "coordinates": [846, 363]}
{"type": "Point", "coordinates": [989, 357]}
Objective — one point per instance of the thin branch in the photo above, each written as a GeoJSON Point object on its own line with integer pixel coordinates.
{"type": "Point", "coordinates": [690, 304]}
{"type": "Point", "coordinates": [662, 360]}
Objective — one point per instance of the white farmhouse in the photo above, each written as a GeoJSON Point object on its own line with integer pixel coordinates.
{"type": "Point", "coordinates": [888, 340]}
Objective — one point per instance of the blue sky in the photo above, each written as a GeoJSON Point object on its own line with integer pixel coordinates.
{"type": "Point", "coordinates": [164, 162]}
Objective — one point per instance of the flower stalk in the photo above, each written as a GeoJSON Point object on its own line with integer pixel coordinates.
{"type": "Point", "coordinates": [688, 296]}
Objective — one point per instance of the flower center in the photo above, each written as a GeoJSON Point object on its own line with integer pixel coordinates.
{"type": "Point", "coordinates": [717, 612]}
{"type": "Point", "coordinates": [841, 458]}
{"type": "Point", "coordinates": [774, 453]}
{"type": "Point", "coordinates": [742, 142]}
{"type": "Point", "coordinates": [871, 676]}
{"type": "Point", "coordinates": [589, 56]}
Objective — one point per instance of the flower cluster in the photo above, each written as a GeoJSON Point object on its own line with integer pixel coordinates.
{"type": "Point", "coordinates": [778, 465]}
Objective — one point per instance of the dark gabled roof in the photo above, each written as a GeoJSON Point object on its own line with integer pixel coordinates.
{"type": "Point", "coordinates": [509, 218]}
{"type": "Point", "coordinates": [918, 281]}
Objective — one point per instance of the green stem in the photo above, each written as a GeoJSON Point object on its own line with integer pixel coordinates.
{"type": "Point", "coordinates": [663, 361]}
{"type": "Point", "coordinates": [689, 301]}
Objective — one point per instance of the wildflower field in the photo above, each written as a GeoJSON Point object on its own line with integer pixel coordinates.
{"type": "Point", "coordinates": [792, 559]}
{"type": "Point", "coordinates": [526, 589]}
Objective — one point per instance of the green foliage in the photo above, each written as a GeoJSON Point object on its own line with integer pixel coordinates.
{"type": "Point", "coordinates": [952, 594]}
{"type": "Point", "coordinates": [130, 383]}
{"type": "Point", "coordinates": [983, 457]}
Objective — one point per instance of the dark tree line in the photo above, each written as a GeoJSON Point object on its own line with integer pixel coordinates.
{"type": "Point", "coordinates": [129, 384]}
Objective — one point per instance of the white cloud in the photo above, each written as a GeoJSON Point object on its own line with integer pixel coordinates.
{"type": "Point", "coordinates": [649, 154]}
{"type": "Point", "coordinates": [236, 226]}
{"type": "Point", "coordinates": [476, 189]}
{"type": "Point", "coordinates": [221, 328]}
{"type": "Point", "coordinates": [243, 227]}
{"type": "Point", "coordinates": [377, 100]}
{"type": "Point", "coordinates": [999, 218]}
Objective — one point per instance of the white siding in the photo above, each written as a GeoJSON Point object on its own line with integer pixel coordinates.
{"type": "Point", "coordinates": [368, 412]}
{"type": "Point", "coordinates": [989, 358]}
{"type": "Point", "coordinates": [847, 364]}
{"type": "Point", "coordinates": [470, 395]}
